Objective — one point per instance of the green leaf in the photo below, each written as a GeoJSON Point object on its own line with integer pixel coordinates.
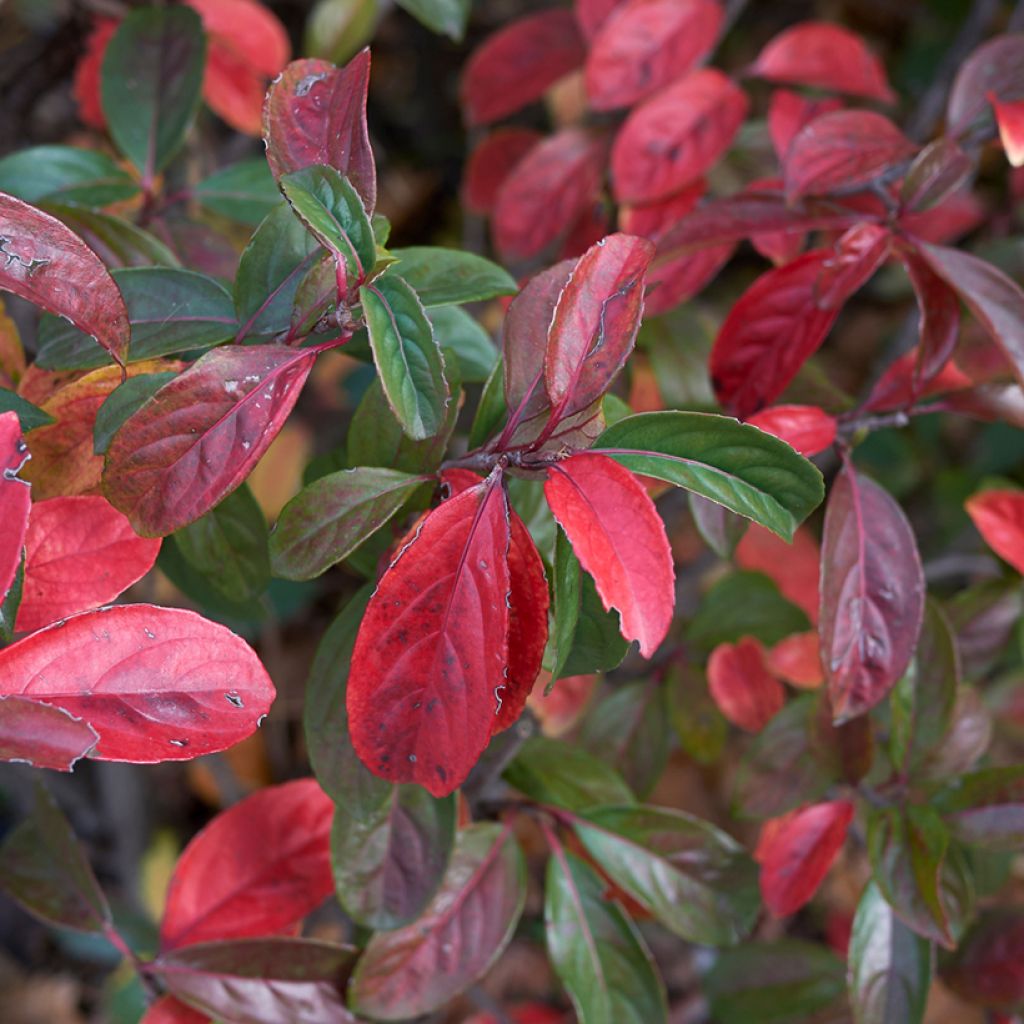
{"type": "Point", "coordinates": [738, 466]}
{"type": "Point", "coordinates": [744, 604]}
{"type": "Point", "coordinates": [11, 603]}
{"type": "Point", "coordinates": [447, 17]}
{"type": "Point", "coordinates": [170, 311]}
{"type": "Point", "coordinates": [124, 400]}
{"type": "Point", "coordinates": [65, 174]}
{"type": "Point", "coordinates": [336, 29]}
{"type": "Point", "coordinates": [376, 438]}
{"type": "Point", "coordinates": [890, 966]}
{"type": "Point", "coordinates": [229, 546]}
{"type": "Point", "coordinates": [586, 637]}
{"type": "Point", "coordinates": [326, 202]}
{"type": "Point", "coordinates": [700, 726]}
{"type": "Point", "coordinates": [929, 890]}
{"type": "Point", "coordinates": [44, 868]}
{"type": "Point", "coordinates": [629, 729]}
{"type": "Point", "coordinates": [150, 83]}
{"type": "Point", "coordinates": [388, 864]}
{"type": "Point", "coordinates": [455, 329]}
{"type": "Point", "coordinates": [245, 191]}
{"type": "Point", "coordinates": [596, 949]}
{"type": "Point", "coordinates": [116, 241]}
{"type": "Point", "coordinates": [445, 277]}
{"type": "Point", "coordinates": [326, 521]}
{"type": "Point", "coordinates": [29, 416]}
{"type": "Point", "coordinates": [558, 773]}
{"type": "Point", "coordinates": [784, 982]}
{"type": "Point", "coordinates": [922, 701]}
{"type": "Point", "coordinates": [491, 412]}
{"type": "Point", "coordinates": [696, 880]}
{"type": "Point", "coordinates": [985, 808]}
{"type": "Point", "coordinates": [272, 266]}
{"type": "Point", "coordinates": [358, 793]}
{"type": "Point", "coordinates": [407, 355]}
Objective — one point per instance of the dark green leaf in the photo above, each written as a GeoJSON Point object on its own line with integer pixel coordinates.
{"type": "Point", "coordinates": [11, 602]}
{"type": "Point", "coordinates": [407, 355]}
{"type": "Point", "coordinates": [446, 16]}
{"type": "Point", "coordinates": [170, 311]}
{"type": "Point", "coordinates": [986, 808]}
{"type": "Point", "coordinates": [330, 207]}
{"type": "Point", "coordinates": [29, 416]}
{"type": "Point", "coordinates": [744, 604]}
{"type": "Point", "coordinates": [326, 521]}
{"type": "Point", "coordinates": [700, 726]}
{"type": "Point", "coordinates": [44, 868]}
{"type": "Point", "coordinates": [116, 241]}
{"type": "Point", "coordinates": [926, 888]}
{"type": "Point", "coordinates": [922, 701]}
{"type": "Point", "coordinates": [150, 83]}
{"type": "Point", "coordinates": [890, 966]}
{"type": "Point", "coordinates": [245, 191]}
{"type": "Point", "coordinates": [445, 277]}
{"type": "Point", "coordinates": [491, 411]}
{"type": "Point", "coordinates": [124, 400]}
{"type": "Point", "coordinates": [561, 774]}
{"type": "Point", "coordinates": [455, 329]}
{"type": "Point", "coordinates": [629, 729]}
{"type": "Point", "coordinates": [586, 637]}
{"type": "Point", "coordinates": [696, 880]}
{"type": "Point", "coordinates": [738, 466]}
{"type": "Point", "coordinates": [418, 968]}
{"type": "Point", "coordinates": [983, 617]}
{"type": "Point", "coordinates": [272, 266]}
{"type": "Point", "coordinates": [389, 863]}
{"type": "Point", "coordinates": [65, 174]}
{"type": "Point", "coordinates": [229, 546]}
{"type": "Point", "coordinates": [596, 950]}
{"type": "Point", "coordinates": [788, 982]}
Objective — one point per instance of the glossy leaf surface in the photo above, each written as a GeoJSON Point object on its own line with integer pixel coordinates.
{"type": "Point", "coordinates": [443, 277]}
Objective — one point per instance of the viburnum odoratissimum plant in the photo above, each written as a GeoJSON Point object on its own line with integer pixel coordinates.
{"type": "Point", "coordinates": [488, 514]}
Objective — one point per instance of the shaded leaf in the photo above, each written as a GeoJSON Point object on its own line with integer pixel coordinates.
{"type": "Point", "coordinates": [988, 966]}
{"type": "Point", "coordinates": [442, 277]}
{"type": "Point", "coordinates": [117, 242]}
{"type": "Point", "coordinates": [463, 931]}
{"type": "Point", "coordinates": [29, 416]}
{"type": "Point", "coordinates": [985, 808]}
{"type": "Point", "coordinates": [445, 16]}
{"type": "Point", "coordinates": [463, 336]}
{"type": "Point", "coordinates": [15, 498]}
{"type": "Point", "coordinates": [701, 729]}
{"type": "Point", "coordinates": [124, 401]}
{"type": "Point", "coordinates": [244, 191]}
{"type": "Point", "coordinates": [42, 736]}
{"type": "Point", "coordinates": [746, 693]}
{"type": "Point", "coordinates": [65, 174]}
{"type": "Point", "coordinates": [998, 516]}
{"type": "Point", "coordinates": [994, 67]}
{"type": "Point", "coordinates": [720, 528]}
{"type": "Point", "coordinates": [794, 566]}
{"type": "Point", "coordinates": [490, 163]}
{"type": "Point", "coordinates": [939, 170]}
{"type": "Point", "coordinates": [157, 684]}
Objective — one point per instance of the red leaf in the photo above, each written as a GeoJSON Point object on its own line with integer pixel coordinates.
{"type": "Point", "coordinates": [15, 498]}
{"type": "Point", "coordinates": [552, 187]}
{"type": "Point", "coordinates": [679, 278]}
{"type": "Point", "coordinates": [746, 693]}
{"type": "Point", "coordinates": [619, 539]}
{"type": "Point", "coordinates": [257, 868]}
{"type": "Point", "coordinates": [518, 64]}
{"type": "Point", "coordinates": [797, 660]}
{"type": "Point", "coordinates": [247, 46]}
{"type": "Point", "coordinates": [995, 67]}
{"type": "Point", "coordinates": [988, 966]}
{"type": "Point", "coordinates": [595, 322]}
{"type": "Point", "coordinates": [79, 553]}
{"type": "Point", "coordinates": [824, 56]}
{"type": "Point", "coordinates": [939, 312]}
{"type": "Point", "coordinates": [527, 626]}
{"type": "Point", "coordinates": [157, 684]}
{"type": "Point", "coordinates": [590, 227]}
{"type": "Point", "coordinates": [42, 735]}
{"type": "Point", "coordinates": [87, 72]}
{"type": "Point", "coordinates": [673, 138]}
{"type": "Point", "coordinates": [996, 301]}
{"type": "Point", "coordinates": [652, 219]}
{"type": "Point", "coordinates": [781, 247]}
{"type": "Point", "coordinates": [490, 164]}
{"type": "Point", "coordinates": [432, 648]}
{"type": "Point", "coordinates": [999, 518]}
{"type": "Point", "coordinates": [806, 428]}
{"type": "Point", "coordinates": [872, 594]}
{"type": "Point", "coordinates": [168, 1010]}
{"type": "Point", "coordinates": [644, 45]}
{"type": "Point", "coordinates": [794, 567]}
{"type": "Point", "coordinates": [315, 113]}
{"type": "Point", "coordinates": [1010, 118]}
{"type": "Point", "coordinates": [842, 151]}
{"type": "Point", "coordinates": [900, 387]}
{"type": "Point", "coordinates": [781, 320]}
{"type": "Point", "coordinates": [789, 112]}
{"type": "Point", "coordinates": [957, 214]}
{"type": "Point", "coordinates": [201, 434]}
{"type": "Point", "coordinates": [45, 262]}
{"type": "Point", "coordinates": [796, 852]}
{"type": "Point", "coordinates": [592, 14]}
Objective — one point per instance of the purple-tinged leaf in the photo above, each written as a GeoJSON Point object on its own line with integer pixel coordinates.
{"type": "Point", "coordinates": [42, 735]}
{"type": "Point", "coordinates": [996, 67]}
{"type": "Point", "coordinates": [418, 968]}
{"type": "Point", "coordinates": [200, 435]}
{"type": "Point", "coordinates": [872, 594]}
{"type": "Point", "coordinates": [15, 498]}
{"type": "Point", "coordinates": [940, 169]}
{"type": "Point", "coordinates": [939, 325]}
{"type": "Point", "coordinates": [988, 967]}
{"type": "Point", "coordinates": [986, 808]}
{"type": "Point", "coordinates": [45, 262]}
